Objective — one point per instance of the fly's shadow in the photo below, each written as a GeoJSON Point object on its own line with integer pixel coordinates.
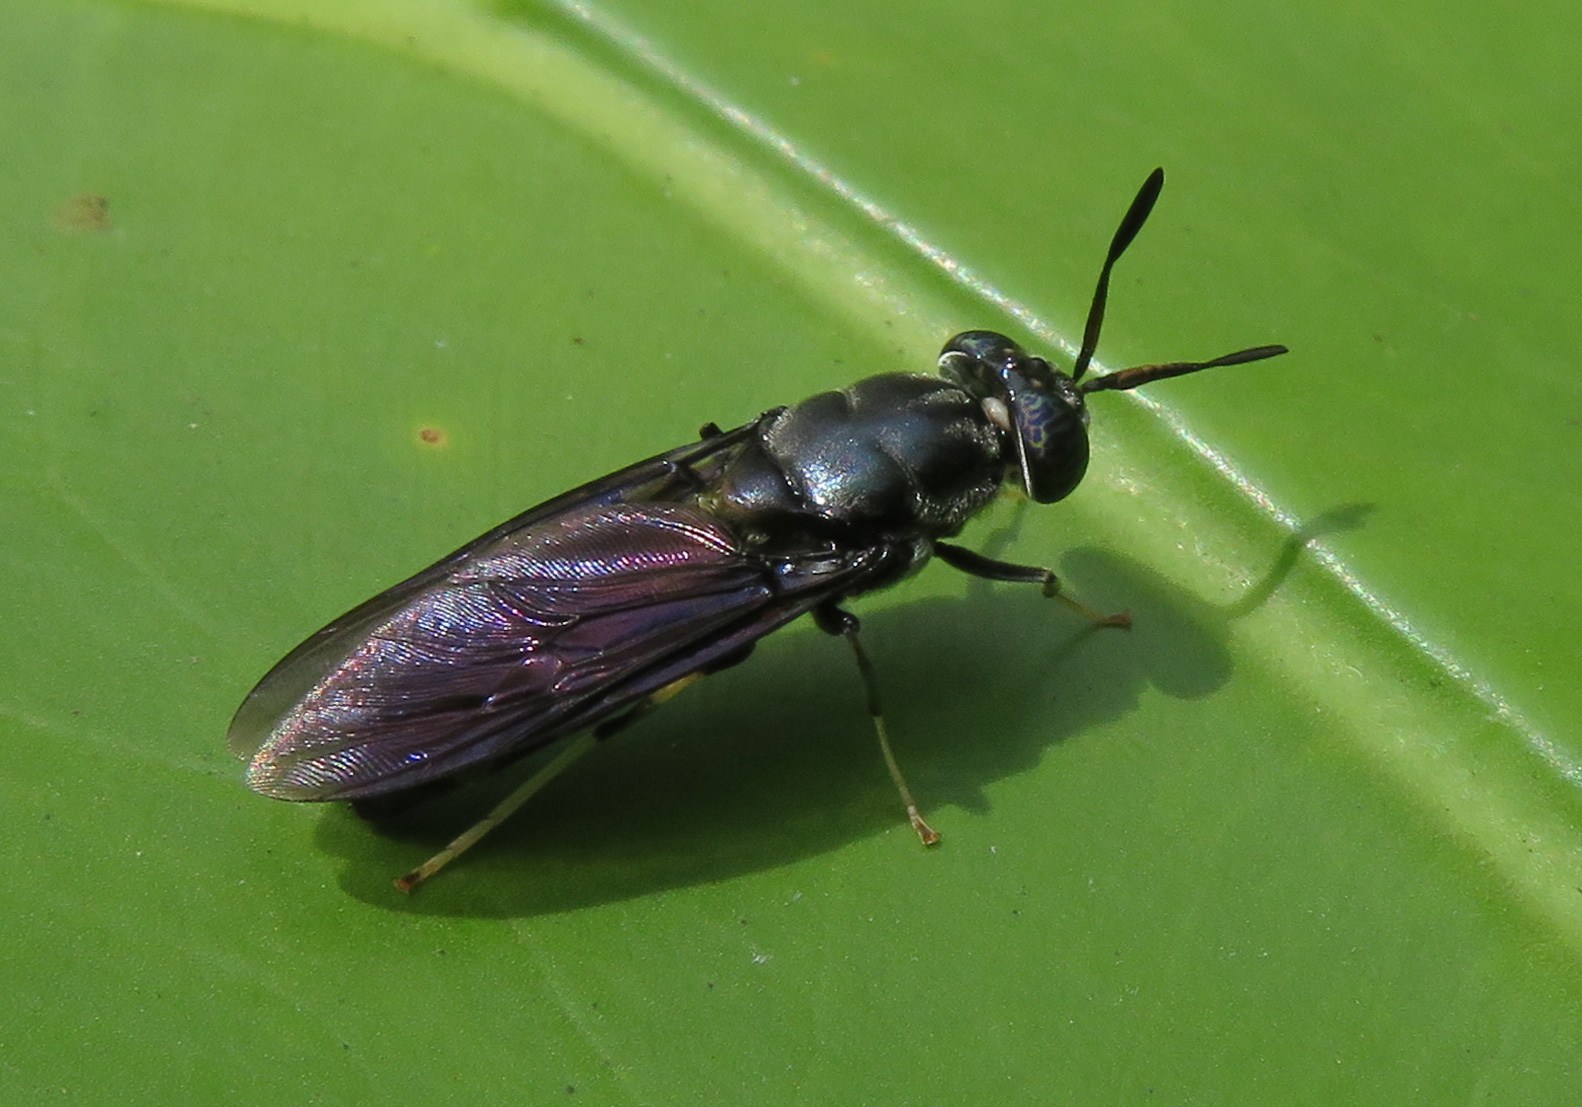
{"type": "Point", "coordinates": [774, 761]}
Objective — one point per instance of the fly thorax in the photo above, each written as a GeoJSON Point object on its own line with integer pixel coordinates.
{"type": "Point", "coordinates": [898, 454]}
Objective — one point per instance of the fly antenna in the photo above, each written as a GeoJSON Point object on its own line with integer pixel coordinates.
{"type": "Point", "coordinates": [1131, 223]}
{"type": "Point", "coordinates": [1127, 379]}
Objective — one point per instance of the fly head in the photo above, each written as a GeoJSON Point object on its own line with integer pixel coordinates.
{"type": "Point", "coordinates": [1038, 409]}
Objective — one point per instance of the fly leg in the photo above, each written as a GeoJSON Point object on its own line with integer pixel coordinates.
{"type": "Point", "coordinates": [988, 568]}
{"type": "Point", "coordinates": [832, 620]}
{"type": "Point", "coordinates": [581, 744]}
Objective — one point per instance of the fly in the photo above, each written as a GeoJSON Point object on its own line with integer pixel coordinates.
{"type": "Point", "coordinates": [578, 615]}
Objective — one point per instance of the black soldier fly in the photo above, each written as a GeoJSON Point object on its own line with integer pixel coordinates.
{"type": "Point", "coordinates": [576, 616]}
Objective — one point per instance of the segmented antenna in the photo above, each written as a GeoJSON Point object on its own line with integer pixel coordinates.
{"type": "Point", "coordinates": [1131, 223]}
{"type": "Point", "coordinates": [1126, 379]}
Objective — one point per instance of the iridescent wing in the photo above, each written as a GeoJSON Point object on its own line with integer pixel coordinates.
{"type": "Point", "coordinates": [568, 614]}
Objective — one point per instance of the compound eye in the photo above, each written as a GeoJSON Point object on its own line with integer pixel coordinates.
{"type": "Point", "coordinates": [1039, 409]}
{"type": "Point", "coordinates": [1051, 430]}
{"type": "Point", "coordinates": [1036, 418]}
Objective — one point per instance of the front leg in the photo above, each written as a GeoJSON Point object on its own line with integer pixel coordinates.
{"type": "Point", "coordinates": [958, 557]}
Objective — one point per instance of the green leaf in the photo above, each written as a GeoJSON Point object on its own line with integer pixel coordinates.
{"type": "Point", "coordinates": [300, 296]}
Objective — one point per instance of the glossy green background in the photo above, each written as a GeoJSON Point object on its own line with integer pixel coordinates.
{"type": "Point", "coordinates": [1311, 832]}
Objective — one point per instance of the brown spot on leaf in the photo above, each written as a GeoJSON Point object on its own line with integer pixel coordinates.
{"type": "Point", "coordinates": [88, 212]}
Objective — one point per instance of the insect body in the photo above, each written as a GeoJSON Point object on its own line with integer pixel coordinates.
{"type": "Point", "coordinates": [582, 612]}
